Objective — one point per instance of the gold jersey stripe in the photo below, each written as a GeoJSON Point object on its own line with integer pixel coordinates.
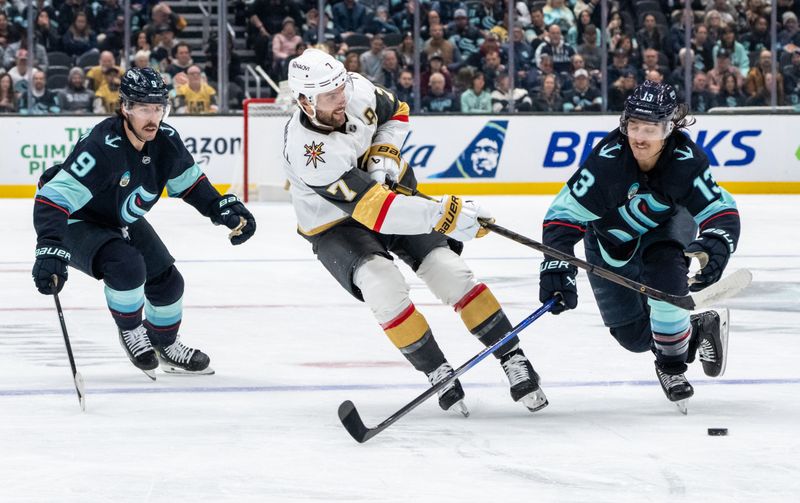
{"type": "Point", "coordinates": [368, 208]}
{"type": "Point", "coordinates": [479, 309]}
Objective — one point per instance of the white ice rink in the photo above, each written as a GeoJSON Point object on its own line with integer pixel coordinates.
{"type": "Point", "coordinates": [288, 345]}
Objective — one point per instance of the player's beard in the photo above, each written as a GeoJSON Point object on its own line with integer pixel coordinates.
{"type": "Point", "coordinates": [333, 119]}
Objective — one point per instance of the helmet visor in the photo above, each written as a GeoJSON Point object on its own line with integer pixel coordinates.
{"type": "Point", "coordinates": [145, 111]}
{"type": "Point", "coordinates": [637, 129]}
{"type": "Point", "coordinates": [337, 98]}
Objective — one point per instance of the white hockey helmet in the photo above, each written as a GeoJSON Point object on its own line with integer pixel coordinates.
{"type": "Point", "coordinates": [315, 72]}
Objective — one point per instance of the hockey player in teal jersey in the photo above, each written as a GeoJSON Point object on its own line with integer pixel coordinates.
{"type": "Point", "coordinates": [89, 213]}
{"type": "Point", "coordinates": [644, 202]}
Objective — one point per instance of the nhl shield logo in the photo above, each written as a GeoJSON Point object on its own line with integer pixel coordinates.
{"type": "Point", "coordinates": [146, 160]}
{"type": "Point", "coordinates": [125, 180]}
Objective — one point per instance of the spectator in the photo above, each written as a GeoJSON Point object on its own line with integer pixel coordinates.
{"type": "Point", "coordinates": [730, 94]}
{"type": "Point", "coordinates": [96, 74]}
{"type": "Point", "coordinates": [406, 51]}
{"type": "Point", "coordinates": [165, 44]}
{"type": "Point", "coordinates": [350, 17]}
{"type": "Point", "coordinates": [40, 54]}
{"type": "Point", "coordinates": [284, 43]}
{"type": "Point", "coordinates": [555, 12]}
{"type": "Point", "coordinates": [583, 97]}
{"type": "Point", "coordinates": [702, 99]}
{"type": "Point", "coordinates": [557, 49]}
{"type": "Point", "coordinates": [549, 97]}
{"type": "Point", "coordinates": [8, 31]}
{"type": "Point", "coordinates": [311, 32]}
{"type": "Point", "coordinates": [758, 38]}
{"type": "Point", "coordinates": [142, 42]}
{"type": "Point", "coordinates": [575, 34]}
{"type": "Point", "coordinates": [756, 78]}
{"type": "Point", "coordinates": [8, 97]}
{"type": "Point", "coordinates": [75, 98]}
{"type": "Point", "coordinates": [390, 70]}
{"type": "Point", "coordinates": [764, 97]}
{"type": "Point", "coordinates": [439, 100]}
{"type": "Point", "coordinates": [107, 16]}
{"type": "Point", "coordinates": [491, 67]}
{"type": "Point", "coordinates": [677, 78]}
{"type": "Point", "coordinates": [44, 101]}
{"type": "Point", "coordinates": [79, 37]}
{"type": "Point", "coordinates": [703, 49]}
{"type": "Point", "coordinates": [235, 70]}
{"type": "Point", "coordinates": [785, 36]}
{"type": "Point", "coordinates": [463, 36]}
{"type": "Point", "coordinates": [45, 33]}
{"type": "Point", "coordinates": [181, 59]}
{"type": "Point", "coordinates": [20, 72]}
{"type": "Point", "coordinates": [713, 22]}
{"type": "Point", "coordinates": [503, 93]}
{"type": "Point", "coordinates": [791, 76]}
{"type": "Point", "coordinates": [404, 20]}
{"type": "Point", "coordinates": [265, 19]}
{"type": "Point", "coordinates": [106, 100]}
{"type": "Point", "coordinates": [721, 69]}
{"type": "Point", "coordinates": [651, 63]}
{"type": "Point", "coordinates": [536, 33]}
{"type": "Point", "coordinates": [619, 66]}
{"type": "Point", "coordinates": [381, 23]}
{"type": "Point", "coordinates": [196, 96]}
{"type": "Point", "coordinates": [352, 62]}
{"type": "Point", "coordinates": [650, 35]}
{"type": "Point", "coordinates": [437, 44]}
{"type": "Point", "coordinates": [476, 99]}
{"type": "Point", "coordinates": [654, 76]}
{"type": "Point", "coordinates": [523, 54]}
{"type": "Point", "coordinates": [487, 15]}
{"type": "Point", "coordinates": [726, 10]}
{"type": "Point", "coordinates": [620, 90]}
{"type": "Point", "coordinates": [162, 15]}
{"type": "Point", "coordinates": [739, 57]}
{"type": "Point", "coordinates": [283, 73]}
{"type": "Point", "coordinates": [590, 48]}
{"type": "Point", "coordinates": [435, 65]}
{"type": "Point", "coordinates": [66, 12]}
{"type": "Point", "coordinates": [142, 60]}
{"type": "Point", "coordinates": [113, 38]}
{"type": "Point", "coordinates": [372, 60]}
{"type": "Point", "coordinates": [405, 88]}
{"type": "Point", "coordinates": [432, 19]}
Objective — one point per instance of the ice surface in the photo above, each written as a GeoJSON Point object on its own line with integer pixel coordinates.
{"type": "Point", "coordinates": [289, 345]}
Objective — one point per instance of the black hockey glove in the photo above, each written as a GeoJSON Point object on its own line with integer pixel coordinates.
{"type": "Point", "coordinates": [231, 213]}
{"type": "Point", "coordinates": [712, 249]}
{"type": "Point", "coordinates": [558, 276]}
{"type": "Point", "coordinates": [50, 259]}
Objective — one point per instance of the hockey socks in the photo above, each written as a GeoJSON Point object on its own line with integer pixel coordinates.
{"type": "Point", "coordinates": [485, 319]}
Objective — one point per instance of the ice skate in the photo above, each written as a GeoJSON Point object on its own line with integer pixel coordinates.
{"type": "Point", "coordinates": [524, 380]}
{"type": "Point", "coordinates": [179, 359]}
{"type": "Point", "coordinates": [451, 395]}
{"type": "Point", "coordinates": [138, 348]}
{"type": "Point", "coordinates": [676, 388]}
{"type": "Point", "coordinates": [712, 329]}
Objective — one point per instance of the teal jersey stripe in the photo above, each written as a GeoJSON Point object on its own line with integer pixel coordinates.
{"type": "Point", "coordinates": [623, 211]}
{"type": "Point", "coordinates": [566, 208]}
{"type": "Point", "coordinates": [725, 202]}
{"type": "Point", "coordinates": [66, 191]}
{"type": "Point", "coordinates": [125, 301]}
{"type": "Point", "coordinates": [175, 186]}
{"type": "Point", "coordinates": [164, 316]}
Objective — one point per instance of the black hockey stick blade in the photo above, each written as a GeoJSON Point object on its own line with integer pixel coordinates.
{"type": "Point", "coordinates": [351, 419]}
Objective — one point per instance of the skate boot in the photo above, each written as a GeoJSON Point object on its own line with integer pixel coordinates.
{"type": "Point", "coordinates": [451, 395]}
{"type": "Point", "coordinates": [676, 387]}
{"type": "Point", "coordinates": [524, 380]}
{"type": "Point", "coordinates": [711, 328]}
{"type": "Point", "coordinates": [138, 348]}
{"type": "Point", "coordinates": [179, 359]}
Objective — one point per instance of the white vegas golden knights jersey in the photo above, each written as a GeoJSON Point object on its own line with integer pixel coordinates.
{"type": "Point", "coordinates": [327, 169]}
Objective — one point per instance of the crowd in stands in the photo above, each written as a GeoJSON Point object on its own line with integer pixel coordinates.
{"type": "Point", "coordinates": [77, 63]}
{"type": "Point", "coordinates": [466, 46]}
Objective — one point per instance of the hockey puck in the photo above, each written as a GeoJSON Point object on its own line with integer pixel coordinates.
{"type": "Point", "coordinates": [718, 432]}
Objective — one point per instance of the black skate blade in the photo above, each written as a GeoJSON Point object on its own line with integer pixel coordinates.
{"type": "Point", "coordinates": [351, 420]}
{"type": "Point", "coordinates": [150, 373]}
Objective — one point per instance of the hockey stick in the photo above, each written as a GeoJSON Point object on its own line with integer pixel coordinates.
{"type": "Point", "coordinates": [726, 287]}
{"type": "Point", "coordinates": [351, 419]}
{"type": "Point", "coordinates": [77, 378]}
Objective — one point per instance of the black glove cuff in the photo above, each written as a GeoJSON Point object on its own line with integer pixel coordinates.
{"type": "Point", "coordinates": [555, 266]}
{"type": "Point", "coordinates": [712, 235]}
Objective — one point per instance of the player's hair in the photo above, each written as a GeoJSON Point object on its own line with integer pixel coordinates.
{"type": "Point", "coordinates": [682, 120]}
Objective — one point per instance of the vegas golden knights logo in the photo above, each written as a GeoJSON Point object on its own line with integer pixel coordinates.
{"type": "Point", "coordinates": [314, 153]}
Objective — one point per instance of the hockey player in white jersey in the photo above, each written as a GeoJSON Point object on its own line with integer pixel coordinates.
{"type": "Point", "coordinates": [340, 147]}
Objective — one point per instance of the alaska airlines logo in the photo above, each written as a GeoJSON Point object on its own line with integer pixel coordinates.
{"type": "Point", "coordinates": [132, 207]}
{"type": "Point", "coordinates": [482, 156]}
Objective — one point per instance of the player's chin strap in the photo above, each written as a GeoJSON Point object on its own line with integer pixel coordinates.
{"type": "Point", "coordinates": [722, 289]}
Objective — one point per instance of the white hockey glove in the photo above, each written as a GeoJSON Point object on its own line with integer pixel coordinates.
{"type": "Point", "coordinates": [384, 162]}
{"type": "Point", "coordinates": [459, 219]}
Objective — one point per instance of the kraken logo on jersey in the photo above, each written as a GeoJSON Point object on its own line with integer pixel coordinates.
{"type": "Point", "coordinates": [482, 156]}
{"type": "Point", "coordinates": [314, 153]}
{"type": "Point", "coordinates": [132, 206]}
